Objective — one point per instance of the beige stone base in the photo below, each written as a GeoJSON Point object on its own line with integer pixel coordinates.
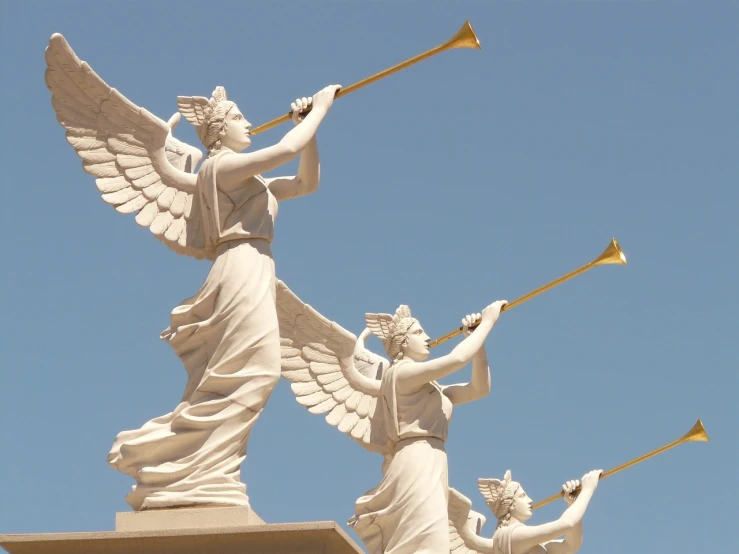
{"type": "Point", "coordinates": [187, 518]}
{"type": "Point", "coordinates": [321, 537]}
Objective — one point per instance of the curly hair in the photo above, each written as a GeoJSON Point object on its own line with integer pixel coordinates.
{"type": "Point", "coordinates": [394, 343]}
{"type": "Point", "coordinates": [391, 330]}
{"type": "Point", "coordinates": [215, 123]}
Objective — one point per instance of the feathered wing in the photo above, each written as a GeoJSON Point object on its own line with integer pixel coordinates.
{"type": "Point", "coordinates": [311, 348]}
{"type": "Point", "coordinates": [127, 149]}
{"type": "Point", "coordinates": [465, 525]}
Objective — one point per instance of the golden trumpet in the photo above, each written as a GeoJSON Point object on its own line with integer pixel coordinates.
{"type": "Point", "coordinates": [464, 38]}
{"type": "Point", "coordinates": [611, 255]}
{"type": "Point", "coordinates": [696, 434]}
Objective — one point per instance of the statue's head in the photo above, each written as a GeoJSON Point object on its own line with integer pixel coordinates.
{"type": "Point", "coordinates": [401, 335]}
{"type": "Point", "coordinates": [506, 499]}
{"type": "Point", "coordinates": [218, 121]}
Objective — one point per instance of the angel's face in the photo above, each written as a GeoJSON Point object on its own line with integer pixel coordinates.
{"type": "Point", "coordinates": [416, 345]}
{"type": "Point", "coordinates": [236, 131]}
{"type": "Point", "coordinates": [521, 508]}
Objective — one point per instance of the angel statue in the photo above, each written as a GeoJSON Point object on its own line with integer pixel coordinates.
{"type": "Point", "coordinates": [512, 506]}
{"type": "Point", "coordinates": [227, 334]}
{"type": "Point", "coordinates": [396, 408]}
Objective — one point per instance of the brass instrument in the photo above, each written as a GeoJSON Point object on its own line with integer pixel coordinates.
{"type": "Point", "coordinates": [696, 434]}
{"type": "Point", "coordinates": [464, 38]}
{"type": "Point", "coordinates": [611, 255]}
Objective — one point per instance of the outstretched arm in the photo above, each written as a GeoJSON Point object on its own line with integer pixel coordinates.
{"type": "Point", "coordinates": [412, 376]}
{"type": "Point", "coordinates": [572, 538]}
{"type": "Point", "coordinates": [234, 170]}
{"type": "Point", "coordinates": [309, 168]}
{"type": "Point", "coordinates": [525, 537]}
{"type": "Point", "coordinates": [571, 543]}
{"type": "Point", "coordinates": [479, 385]}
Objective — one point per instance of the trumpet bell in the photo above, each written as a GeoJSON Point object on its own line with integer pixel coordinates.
{"type": "Point", "coordinates": [611, 255]}
{"type": "Point", "coordinates": [696, 434]}
{"type": "Point", "coordinates": [465, 38]}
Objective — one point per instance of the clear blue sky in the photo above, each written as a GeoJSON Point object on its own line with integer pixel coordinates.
{"type": "Point", "coordinates": [471, 177]}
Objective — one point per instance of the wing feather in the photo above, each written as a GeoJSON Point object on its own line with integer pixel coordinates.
{"type": "Point", "coordinates": [348, 422]}
{"type": "Point", "coordinates": [297, 376]}
{"type": "Point", "coordinates": [148, 180]}
{"type": "Point", "coordinates": [86, 142]}
{"type": "Point", "coordinates": [138, 172]}
{"type": "Point", "coordinates": [133, 205]}
{"type": "Point", "coordinates": [359, 430]}
{"type": "Point", "coordinates": [165, 199]}
{"type": "Point", "coordinates": [111, 184]}
{"type": "Point", "coordinates": [328, 378]}
{"type": "Point", "coordinates": [365, 406]}
{"type": "Point", "coordinates": [337, 385]}
{"type": "Point", "coordinates": [122, 196]}
{"type": "Point", "coordinates": [323, 407]}
{"type": "Point", "coordinates": [295, 363]}
{"type": "Point", "coordinates": [177, 208]}
{"type": "Point", "coordinates": [313, 399]}
{"type": "Point", "coordinates": [161, 222]}
{"type": "Point", "coordinates": [96, 155]}
{"type": "Point", "coordinates": [146, 216]}
{"type": "Point", "coordinates": [176, 228]}
{"type": "Point", "coordinates": [303, 389]}
{"type": "Point", "coordinates": [336, 415]}
{"type": "Point", "coordinates": [153, 191]}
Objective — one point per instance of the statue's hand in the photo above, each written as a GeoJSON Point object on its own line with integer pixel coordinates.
{"type": "Point", "coordinates": [569, 489]}
{"type": "Point", "coordinates": [492, 312]}
{"type": "Point", "coordinates": [472, 320]}
{"type": "Point", "coordinates": [300, 108]}
{"type": "Point", "coordinates": [324, 98]}
{"type": "Point", "coordinates": [590, 479]}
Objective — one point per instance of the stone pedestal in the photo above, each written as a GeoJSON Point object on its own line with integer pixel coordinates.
{"type": "Point", "coordinates": [321, 537]}
{"type": "Point", "coordinates": [187, 518]}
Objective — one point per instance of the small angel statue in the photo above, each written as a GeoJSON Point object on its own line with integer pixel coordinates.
{"type": "Point", "coordinates": [512, 507]}
{"type": "Point", "coordinates": [227, 334]}
{"type": "Point", "coordinates": [395, 408]}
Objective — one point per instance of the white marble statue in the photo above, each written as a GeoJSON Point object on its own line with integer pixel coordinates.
{"type": "Point", "coordinates": [512, 507]}
{"type": "Point", "coordinates": [395, 408]}
{"type": "Point", "coordinates": [227, 334]}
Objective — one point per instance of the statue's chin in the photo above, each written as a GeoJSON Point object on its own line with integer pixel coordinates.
{"type": "Point", "coordinates": [419, 356]}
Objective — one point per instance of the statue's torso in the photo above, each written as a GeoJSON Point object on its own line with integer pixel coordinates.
{"type": "Point", "coordinates": [247, 211]}
{"type": "Point", "coordinates": [425, 412]}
